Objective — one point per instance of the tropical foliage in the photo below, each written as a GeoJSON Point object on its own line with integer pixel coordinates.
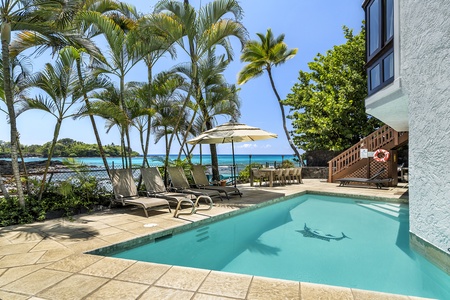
{"type": "Point", "coordinates": [80, 80]}
{"type": "Point", "coordinates": [327, 104]}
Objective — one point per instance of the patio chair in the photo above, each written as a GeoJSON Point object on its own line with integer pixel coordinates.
{"type": "Point", "coordinates": [297, 175]}
{"type": "Point", "coordinates": [125, 192]}
{"type": "Point", "coordinates": [278, 176]}
{"type": "Point", "coordinates": [181, 184]}
{"type": "Point", "coordinates": [261, 176]}
{"type": "Point", "coordinates": [375, 179]}
{"type": "Point", "coordinates": [201, 182]}
{"type": "Point", "coordinates": [285, 176]}
{"type": "Point", "coordinates": [154, 185]}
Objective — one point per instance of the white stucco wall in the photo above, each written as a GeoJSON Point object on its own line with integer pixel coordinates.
{"type": "Point", "coordinates": [425, 73]}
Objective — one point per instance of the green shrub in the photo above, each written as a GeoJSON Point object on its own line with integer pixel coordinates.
{"type": "Point", "coordinates": [244, 175]}
{"type": "Point", "coordinates": [11, 213]}
{"type": "Point", "coordinates": [287, 164]}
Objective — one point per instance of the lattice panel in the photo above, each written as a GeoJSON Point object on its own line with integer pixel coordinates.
{"type": "Point", "coordinates": [360, 173]}
{"type": "Point", "coordinates": [375, 166]}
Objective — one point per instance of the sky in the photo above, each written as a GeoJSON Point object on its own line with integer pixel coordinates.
{"type": "Point", "coordinates": [311, 26]}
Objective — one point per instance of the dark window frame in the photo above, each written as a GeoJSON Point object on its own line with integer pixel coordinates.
{"type": "Point", "coordinates": [385, 48]}
{"type": "Point", "coordinates": [383, 81]}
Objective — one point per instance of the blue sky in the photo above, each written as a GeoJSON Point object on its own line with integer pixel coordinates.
{"type": "Point", "coordinates": [312, 26]}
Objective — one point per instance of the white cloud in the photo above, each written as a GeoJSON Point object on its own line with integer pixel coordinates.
{"type": "Point", "coordinates": [266, 146]}
{"type": "Point", "coordinates": [247, 146]}
{"type": "Point", "coordinates": [253, 146]}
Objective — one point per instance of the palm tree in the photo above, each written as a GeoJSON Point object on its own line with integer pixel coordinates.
{"type": "Point", "coordinates": [86, 16]}
{"type": "Point", "coordinates": [167, 123]}
{"type": "Point", "coordinates": [20, 70]}
{"type": "Point", "coordinates": [60, 84]}
{"type": "Point", "coordinates": [196, 33]}
{"type": "Point", "coordinates": [46, 24]}
{"type": "Point", "coordinates": [167, 109]}
{"type": "Point", "coordinates": [151, 47]}
{"type": "Point", "coordinates": [218, 97]}
{"type": "Point", "coordinates": [262, 56]}
{"type": "Point", "coordinates": [15, 15]}
{"type": "Point", "coordinates": [164, 84]}
{"type": "Point", "coordinates": [118, 107]}
{"type": "Point", "coordinates": [122, 56]}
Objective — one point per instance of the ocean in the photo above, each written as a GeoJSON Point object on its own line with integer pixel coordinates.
{"type": "Point", "coordinates": [225, 160]}
{"type": "Point", "coordinates": [157, 160]}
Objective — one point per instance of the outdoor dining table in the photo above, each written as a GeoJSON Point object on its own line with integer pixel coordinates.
{"type": "Point", "coordinates": [268, 171]}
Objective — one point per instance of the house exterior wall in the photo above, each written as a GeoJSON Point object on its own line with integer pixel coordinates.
{"type": "Point", "coordinates": [425, 74]}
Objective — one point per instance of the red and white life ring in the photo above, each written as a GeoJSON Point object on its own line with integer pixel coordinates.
{"type": "Point", "coordinates": [381, 155]}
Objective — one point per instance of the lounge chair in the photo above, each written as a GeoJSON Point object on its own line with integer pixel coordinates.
{"type": "Point", "coordinates": [154, 185]}
{"type": "Point", "coordinates": [375, 179]}
{"type": "Point", "coordinates": [181, 184]}
{"type": "Point", "coordinates": [125, 192]}
{"type": "Point", "coordinates": [201, 182]}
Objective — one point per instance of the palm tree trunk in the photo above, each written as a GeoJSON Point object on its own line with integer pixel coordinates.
{"type": "Point", "coordinates": [177, 125]}
{"type": "Point", "coordinates": [128, 146]}
{"type": "Point", "coordinates": [91, 117]}
{"type": "Point", "coordinates": [49, 158]}
{"type": "Point", "coordinates": [147, 141]}
{"type": "Point", "coordinates": [149, 118]}
{"type": "Point", "coordinates": [24, 166]}
{"type": "Point", "coordinates": [3, 188]}
{"type": "Point", "coordinates": [12, 118]}
{"type": "Point", "coordinates": [141, 141]}
{"type": "Point", "coordinates": [283, 117]}
{"type": "Point", "coordinates": [186, 133]}
{"type": "Point", "coordinates": [213, 151]}
{"type": "Point", "coordinates": [166, 159]}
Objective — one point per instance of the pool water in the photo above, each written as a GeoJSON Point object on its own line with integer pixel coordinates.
{"type": "Point", "coordinates": [310, 238]}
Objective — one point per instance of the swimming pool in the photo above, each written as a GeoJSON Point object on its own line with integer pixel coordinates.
{"type": "Point", "coordinates": [310, 238]}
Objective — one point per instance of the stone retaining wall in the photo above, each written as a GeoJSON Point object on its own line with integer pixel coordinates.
{"type": "Point", "coordinates": [315, 172]}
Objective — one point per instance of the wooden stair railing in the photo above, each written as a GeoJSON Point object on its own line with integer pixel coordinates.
{"type": "Point", "coordinates": [385, 137]}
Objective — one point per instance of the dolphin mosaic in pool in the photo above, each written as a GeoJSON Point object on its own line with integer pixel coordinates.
{"type": "Point", "coordinates": [313, 233]}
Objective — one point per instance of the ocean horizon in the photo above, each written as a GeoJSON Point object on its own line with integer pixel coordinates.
{"type": "Point", "coordinates": [241, 160]}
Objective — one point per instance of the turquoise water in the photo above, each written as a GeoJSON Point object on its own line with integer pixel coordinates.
{"type": "Point", "coordinates": [156, 160]}
{"type": "Point", "coordinates": [350, 243]}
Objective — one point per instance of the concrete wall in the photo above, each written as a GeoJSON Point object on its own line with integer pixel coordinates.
{"type": "Point", "coordinates": [425, 79]}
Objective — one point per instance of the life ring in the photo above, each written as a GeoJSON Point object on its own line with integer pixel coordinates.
{"type": "Point", "coordinates": [381, 155]}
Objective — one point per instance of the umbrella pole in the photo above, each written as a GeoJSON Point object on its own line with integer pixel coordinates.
{"type": "Point", "coordinates": [234, 163]}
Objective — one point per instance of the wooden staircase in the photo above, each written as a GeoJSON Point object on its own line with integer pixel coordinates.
{"type": "Point", "coordinates": [350, 164]}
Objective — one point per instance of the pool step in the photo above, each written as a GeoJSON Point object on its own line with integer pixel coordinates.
{"type": "Point", "coordinates": [202, 234]}
{"type": "Point", "coordinates": [395, 210]}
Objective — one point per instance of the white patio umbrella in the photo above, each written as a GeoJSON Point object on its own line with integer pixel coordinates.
{"type": "Point", "coordinates": [232, 132]}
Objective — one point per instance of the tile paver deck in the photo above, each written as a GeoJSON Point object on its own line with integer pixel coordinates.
{"type": "Point", "coordinates": [46, 260]}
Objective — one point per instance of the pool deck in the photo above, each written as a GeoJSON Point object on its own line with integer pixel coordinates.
{"type": "Point", "coordinates": [47, 260]}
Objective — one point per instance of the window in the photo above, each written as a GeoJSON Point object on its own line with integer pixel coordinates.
{"type": "Point", "coordinates": [375, 79]}
{"type": "Point", "coordinates": [380, 43]}
{"type": "Point", "coordinates": [389, 20]}
{"type": "Point", "coordinates": [388, 67]}
{"type": "Point", "coordinates": [374, 32]}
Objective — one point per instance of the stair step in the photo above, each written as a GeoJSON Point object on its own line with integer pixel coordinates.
{"type": "Point", "coordinates": [395, 207]}
{"type": "Point", "coordinates": [386, 208]}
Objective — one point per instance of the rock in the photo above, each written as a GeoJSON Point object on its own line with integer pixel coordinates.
{"type": "Point", "coordinates": [32, 166]}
